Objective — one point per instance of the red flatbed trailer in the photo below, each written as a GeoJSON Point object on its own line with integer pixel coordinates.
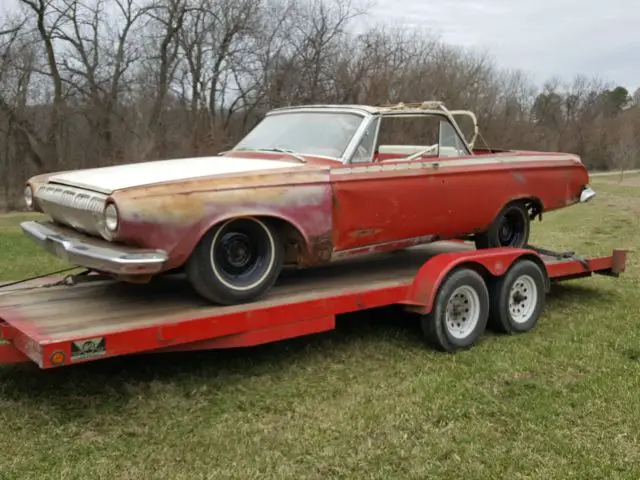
{"type": "Point", "coordinates": [66, 325]}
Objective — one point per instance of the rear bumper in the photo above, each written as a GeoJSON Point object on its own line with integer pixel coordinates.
{"type": "Point", "coordinates": [92, 253]}
{"type": "Point", "coordinates": [587, 194]}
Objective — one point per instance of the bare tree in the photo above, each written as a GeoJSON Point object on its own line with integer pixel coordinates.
{"type": "Point", "coordinates": [625, 151]}
{"type": "Point", "coordinates": [97, 57]}
{"type": "Point", "coordinates": [92, 82]}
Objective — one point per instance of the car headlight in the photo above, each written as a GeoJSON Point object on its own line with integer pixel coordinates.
{"type": "Point", "coordinates": [111, 217]}
{"type": "Point", "coordinates": [28, 196]}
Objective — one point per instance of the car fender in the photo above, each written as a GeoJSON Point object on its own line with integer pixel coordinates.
{"type": "Point", "coordinates": [184, 248]}
{"type": "Point", "coordinates": [490, 263]}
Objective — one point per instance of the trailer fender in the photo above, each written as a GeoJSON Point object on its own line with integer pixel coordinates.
{"type": "Point", "coordinates": [490, 263]}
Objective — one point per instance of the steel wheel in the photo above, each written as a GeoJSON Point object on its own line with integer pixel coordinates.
{"type": "Point", "coordinates": [517, 299]}
{"type": "Point", "coordinates": [463, 312]}
{"type": "Point", "coordinates": [523, 298]}
{"type": "Point", "coordinates": [242, 254]}
{"type": "Point", "coordinates": [460, 311]}
{"type": "Point", "coordinates": [236, 262]}
{"type": "Point", "coordinates": [510, 228]}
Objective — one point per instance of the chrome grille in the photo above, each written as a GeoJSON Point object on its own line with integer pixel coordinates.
{"type": "Point", "coordinates": [73, 198]}
{"type": "Point", "coordinates": [75, 207]}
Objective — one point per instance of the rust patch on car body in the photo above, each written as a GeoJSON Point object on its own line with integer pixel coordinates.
{"type": "Point", "coordinates": [320, 251]}
{"type": "Point", "coordinates": [367, 232]}
{"type": "Point", "coordinates": [174, 216]}
{"type": "Point", "coordinates": [519, 177]}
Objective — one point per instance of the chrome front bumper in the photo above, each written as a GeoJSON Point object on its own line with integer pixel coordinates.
{"type": "Point", "coordinates": [94, 253]}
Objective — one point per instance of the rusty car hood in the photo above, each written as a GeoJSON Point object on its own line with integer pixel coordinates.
{"type": "Point", "coordinates": [110, 179]}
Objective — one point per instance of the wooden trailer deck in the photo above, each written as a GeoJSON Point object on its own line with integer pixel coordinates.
{"type": "Point", "coordinates": [166, 314]}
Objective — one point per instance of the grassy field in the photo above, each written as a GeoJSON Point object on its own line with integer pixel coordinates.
{"type": "Point", "coordinates": [366, 401]}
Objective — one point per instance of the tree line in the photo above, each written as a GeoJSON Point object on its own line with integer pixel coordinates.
{"type": "Point", "coordinates": [101, 82]}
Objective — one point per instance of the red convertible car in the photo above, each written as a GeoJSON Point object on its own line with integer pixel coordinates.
{"type": "Point", "coordinates": [308, 185]}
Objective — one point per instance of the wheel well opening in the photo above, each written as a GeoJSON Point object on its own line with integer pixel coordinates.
{"type": "Point", "coordinates": [490, 278]}
{"type": "Point", "coordinates": [538, 261]}
{"type": "Point", "coordinates": [293, 241]}
{"type": "Point", "coordinates": [533, 205]}
{"type": "Point", "coordinates": [471, 265]}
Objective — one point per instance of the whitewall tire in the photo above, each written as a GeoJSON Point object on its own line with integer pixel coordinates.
{"type": "Point", "coordinates": [237, 261]}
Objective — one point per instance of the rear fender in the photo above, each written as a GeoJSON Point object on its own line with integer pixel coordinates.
{"type": "Point", "coordinates": [490, 263]}
{"type": "Point", "coordinates": [539, 205]}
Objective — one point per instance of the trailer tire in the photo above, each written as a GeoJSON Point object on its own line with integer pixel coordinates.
{"type": "Point", "coordinates": [509, 229]}
{"type": "Point", "coordinates": [236, 262]}
{"type": "Point", "coordinates": [460, 312]}
{"type": "Point", "coordinates": [517, 298]}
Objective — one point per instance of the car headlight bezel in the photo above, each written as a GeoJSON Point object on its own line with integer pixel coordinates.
{"type": "Point", "coordinates": [111, 218]}
{"type": "Point", "coordinates": [28, 196]}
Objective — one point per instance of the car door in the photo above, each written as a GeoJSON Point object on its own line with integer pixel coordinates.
{"type": "Point", "coordinates": [383, 198]}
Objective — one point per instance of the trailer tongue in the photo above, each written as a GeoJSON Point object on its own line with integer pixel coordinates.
{"type": "Point", "coordinates": [453, 289]}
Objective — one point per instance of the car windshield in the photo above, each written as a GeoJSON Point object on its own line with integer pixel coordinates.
{"type": "Point", "coordinates": [304, 133]}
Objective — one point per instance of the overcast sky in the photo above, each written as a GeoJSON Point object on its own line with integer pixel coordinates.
{"type": "Point", "coordinates": [543, 37]}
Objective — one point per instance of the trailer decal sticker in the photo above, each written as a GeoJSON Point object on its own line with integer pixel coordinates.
{"type": "Point", "coordinates": [89, 348]}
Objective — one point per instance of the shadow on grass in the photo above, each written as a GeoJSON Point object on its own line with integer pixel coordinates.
{"type": "Point", "coordinates": [72, 388]}
{"type": "Point", "coordinates": [580, 293]}
{"type": "Point", "coordinates": [107, 384]}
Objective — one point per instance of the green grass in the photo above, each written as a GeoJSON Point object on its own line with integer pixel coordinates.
{"type": "Point", "coordinates": [19, 257]}
{"type": "Point", "coordinates": [366, 401]}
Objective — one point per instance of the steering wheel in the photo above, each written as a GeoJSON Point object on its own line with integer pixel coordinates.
{"type": "Point", "coordinates": [414, 156]}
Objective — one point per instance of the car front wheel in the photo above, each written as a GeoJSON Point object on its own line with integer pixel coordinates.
{"type": "Point", "coordinates": [236, 262]}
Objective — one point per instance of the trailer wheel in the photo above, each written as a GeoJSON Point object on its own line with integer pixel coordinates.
{"type": "Point", "coordinates": [460, 312]}
{"type": "Point", "coordinates": [517, 298]}
{"type": "Point", "coordinates": [510, 228]}
{"type": "Point", "coordinates": [236, 262]}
